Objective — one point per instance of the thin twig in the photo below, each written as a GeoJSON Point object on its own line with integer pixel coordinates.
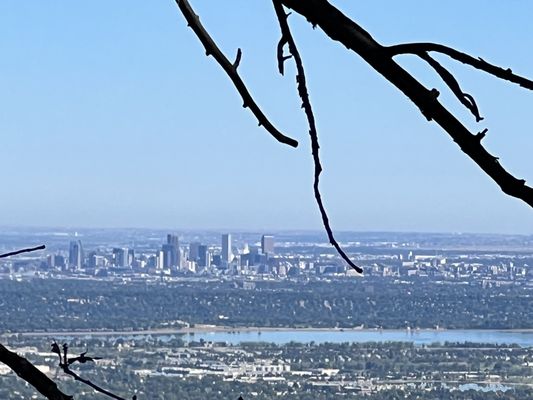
{"type": "Point", "coordinates": [28, 250]}
{"type": "Point", "coordinates": [306, 105]}
{"type": "Point", "coordinates": [231, 70]}
{"type": "Point", "coordinates": [478, 63]}
{"type": "Point", "coordinates": [65, 362]}
{"type": "Point", "coordinates": [341, 28]}
{"type": "Point", "coordinates": [466, 99]}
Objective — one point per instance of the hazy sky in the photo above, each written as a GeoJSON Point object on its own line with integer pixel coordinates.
{"type": "Point", "coordinates": [111, 115]}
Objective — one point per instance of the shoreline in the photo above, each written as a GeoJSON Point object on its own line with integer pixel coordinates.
{"type": "Point", "coordinates": [204, 329]}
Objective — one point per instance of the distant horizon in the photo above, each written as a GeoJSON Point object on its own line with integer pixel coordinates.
{"type": "Point", "coordinates": [255, 230]}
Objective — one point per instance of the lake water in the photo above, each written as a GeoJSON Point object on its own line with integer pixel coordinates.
{"type": "Point", "coordinates": [418, 337]}
{"type": "Point", "coordinates": [524, 339]}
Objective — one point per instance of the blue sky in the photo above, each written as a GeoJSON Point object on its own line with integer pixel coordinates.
{"type": "Point", "coordinates": [112, 116]}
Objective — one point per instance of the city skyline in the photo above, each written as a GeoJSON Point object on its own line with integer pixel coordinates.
{"type": "Point", "coordinates": [191, 157]}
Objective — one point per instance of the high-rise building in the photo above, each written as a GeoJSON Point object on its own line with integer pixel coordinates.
{"type": "Point", "coordinates": [75, 254]}
{"type": "Point", "coordinates": [226, 248]}
{"type": "Point", "coordinates": [194, 251]}
{"type": "Point", "coordinates": [171, 250]}
{"type": "Point", "coordinates": [267, 244]}
{"type": "Point", "coordinates": [203, 256]}
{"type": "Point", "coordinates": [120, 257]}
{"type": "Point", "coordinates": [173, 239]}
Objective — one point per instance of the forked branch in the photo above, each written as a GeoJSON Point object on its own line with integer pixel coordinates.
{"type": "Point", "coordinates": [212, 49]}
{"type": "Point", "coordinates": [466, 99]}
{"type": "Point", "coordinates": [478, 63]}
{"type": "Point", "coordinates": [287, 38]}
{"type": "Point", "coordinates": [27, 371]}
{"type": "Point", "coordinates": [65, 362]}
{"type": "Point", "coordinates": [341, 28]}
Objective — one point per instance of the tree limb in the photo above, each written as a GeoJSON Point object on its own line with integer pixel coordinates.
{"type": "Point", "coordinates": [306, 105]}
{"type": "Point", "coordinates": [478, 63]}
{"type": "Point", "coordinates": [28, 250]}
{"type": "Point", "coordinates": [27, 371]}
{"type": "Point", "coordinates": [231, 70]}
{"type": "Point", "coordinates": [466, 99]}
{"type": "Point", "coordinates": [341, 28]}
{"type": "Point", "coordinates": [65, 363]}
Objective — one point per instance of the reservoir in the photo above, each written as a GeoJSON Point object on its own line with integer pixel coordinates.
{"type": "Point", "coordinates": [421, 337]}
{"type": "Point", "coordinates": [280, 336]}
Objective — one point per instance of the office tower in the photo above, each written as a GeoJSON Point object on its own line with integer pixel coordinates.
{"type": "Point", "coordinates": [203, 256]}
{"type": "Point", "coordinates": [171, 250]}
{"type": "Point", "coordinates": [91, 259]}
{"type": "Point", "coordinates": [75, 254]}
{"type": "Point", "coordinates": [59, 261]}
{"type": "Point", "coordinates": [194, 251]}
{"type": "Point", "coordinates": [173, 239]}
{"type": "Point", "coordinates": [226, 248]}
{"type": "Point", "coordinates": [161, 260]}
{"type": "Point", "coordinates": [131, 257]}
{"type": "Point", "coordinates": [217, 260]}
{"type": "Point", "coordinates": [169, 254]}
{"type": "Point", "coordinates": [267, 244]}
{"type": "Point", "coordinates": [120, 257]}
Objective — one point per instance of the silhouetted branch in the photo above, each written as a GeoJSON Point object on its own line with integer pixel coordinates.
{"type": "Point", "coordinates": [478, 63]}
{"type": "Point", "coordinates": [341, 28]}
{"type": "Point", "coordinates": [65, 363]}
{"type": "Point", "coordinates": [231, 70]}
{"type": "Point", "coordinates": [28, 250]}
{"type": "Point", "coordinates": [466, 99]}
{"type": "Point", "coordinates": [287, 38]}
{"type": "Point", "coordinates": [27, 371]}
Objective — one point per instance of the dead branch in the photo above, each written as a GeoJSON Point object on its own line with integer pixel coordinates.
{"type": "Point", "coordinates": [341, 28]}
{"type": "Point", "coordinates": [478, 63]}
{"type": "Point", "coordinates": [65, 363]}
{"type": "Point", "coordinates": [27, 371]}
{"type": "Point", "coordinates": [28, 250]}
{"type": "Point", "coordinates": [466, 99]}
{"type": "Point", "coordinates": [287, 38]}
{"type": "Point", "coordinates": [231, 70]}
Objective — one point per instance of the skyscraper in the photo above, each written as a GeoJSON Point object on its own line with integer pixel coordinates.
{"type": "Point", "coordinates": [193, 251]}
{"type": "Point", "coordinates": [121, 257]}
{"type": "Point", "coordinates": [172, 251]}
{"type": "Point", "coordinates": [75, 254]}
{"type": "Point", "coordinates": [267, 244]}
{"type": "Point", "coordinates": [226, 248]}
{"type": "Point", "coordinates": [203, 256]}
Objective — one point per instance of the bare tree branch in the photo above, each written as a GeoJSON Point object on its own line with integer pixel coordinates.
{"type": "Point", "coordinates": [231, 70]}
{"type": "Point", "coordinates": [27, 371]}
{"type": "Point", "coordinates": [306, 105]}
{"type": "Point", "coordinates": [478, 63]}
{"type": "Point", "coordinates": [28, 250]}
{"type": "Point", "coordinates": [65, 363]}
{"type": "Point", "coordinates": [466, 99]}
{"type": "Point", "coordinates": [341, 28]}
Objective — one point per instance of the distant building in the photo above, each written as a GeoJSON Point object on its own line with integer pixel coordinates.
{"type": "Point", "coordinates": [226, 248]}
{"type": "Point", "coordinates": [56, 261]}
{"type": "Point", "coordinates": [267, 244]}
{"type": "Point", "coordinates": [75, 254]}
{"type": "Point", "coordinates": [120, 257]}
{"type": "Point", "coordinates": [170, 257]}
{"type": "Point", "coordinates": [193, 251]}
{"type": "Point", "coordinates": [217, 260]}
{"type": "Point", "coordinates": [203, 256]}
{"type": "Point", "coordinates": [171, 252]}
